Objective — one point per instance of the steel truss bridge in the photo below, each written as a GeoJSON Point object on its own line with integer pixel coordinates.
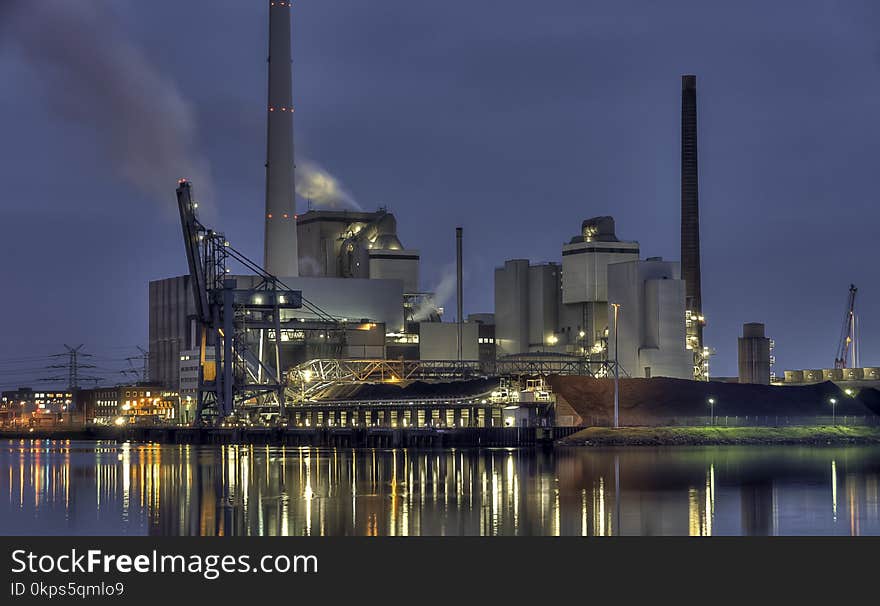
{"type": "Point", "coordinates": [314, 376]}
{"type": "Point", "coordinates": [311, 378]}
{"type": "Point", "coordinates": [544, 366]}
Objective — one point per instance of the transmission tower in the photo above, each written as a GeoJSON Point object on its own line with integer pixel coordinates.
{"type": "Point", "coordinates": [142, 375]}
{"type": "Point", "coordinates": [73, 366]}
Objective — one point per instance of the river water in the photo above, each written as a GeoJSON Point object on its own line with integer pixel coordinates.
{"type": "Point", "coordinates": [107, 488]}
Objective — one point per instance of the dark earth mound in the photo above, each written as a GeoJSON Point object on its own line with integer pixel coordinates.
{"type": "Point", "coordinates": [660, 401]}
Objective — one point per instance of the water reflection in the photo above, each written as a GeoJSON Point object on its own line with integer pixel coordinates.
{"type": "Point", "coordinates": [62, 487]}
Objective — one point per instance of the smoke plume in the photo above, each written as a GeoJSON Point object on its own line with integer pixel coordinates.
{"type": "Point", "coordinates": [443, 293]}
{"type": "Point", "coordinates": [322, 189]}
{"type": "Point", "coordinates": [94, 75]}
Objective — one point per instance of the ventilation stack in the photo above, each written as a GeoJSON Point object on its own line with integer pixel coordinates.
{"type": "Point", "coordinates": [690, 227]}
{"type": "Point", "coordinates": [280, 252]}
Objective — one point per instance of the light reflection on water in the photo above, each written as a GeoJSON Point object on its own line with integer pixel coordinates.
{"type": "Point", "coordinates": [63, 487]}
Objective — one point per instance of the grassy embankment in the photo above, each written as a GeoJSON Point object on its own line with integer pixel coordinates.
{"type": "Point", "coordinates": [700, 436]}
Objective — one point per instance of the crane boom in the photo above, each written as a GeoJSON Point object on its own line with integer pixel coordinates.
{"type": "Point", "coordinates": [847, 346]}
{"type": "Point", "coordinates": [243, 321]}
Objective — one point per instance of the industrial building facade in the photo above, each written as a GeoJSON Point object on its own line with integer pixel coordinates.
{"type": "Point", "coordinates": [754, 355]}
{"type": "Point", "coordinates": [566, 309]}
{"type": "Point", "coordinates": [650, 337]}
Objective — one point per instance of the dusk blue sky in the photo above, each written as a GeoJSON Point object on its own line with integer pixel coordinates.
{"type": "Point", "coordinates": [514, 119]}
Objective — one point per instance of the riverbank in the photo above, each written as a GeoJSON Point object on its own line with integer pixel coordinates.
{"type": "Point", "coordinates": [331, 437]}
{"type": "Point", "coordinates": [712, 436]}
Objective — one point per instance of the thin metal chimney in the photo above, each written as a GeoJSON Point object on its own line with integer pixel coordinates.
{"type": "Point", "coordinates": [459, 294]}
{"type": "Point", "coordinates": [280, 252]}
{"type": "Point", "coordinates": [690, 223]}
{"type": "Point", "coordinates": [690, 207]}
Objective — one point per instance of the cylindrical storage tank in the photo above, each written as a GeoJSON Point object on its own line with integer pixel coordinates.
{"type": "Point", "coordinates": [512, 307]}
{"type": "Point", "coordinates": [794, 376]}
{"type": "Point", "coordinates": [832, 374]}
{"type": "Point", "coordinates": [543, 305]}
{"type": "Point", "coordinates": [871, 373]}
{"type": "Point", "coordinates": [853, 374]}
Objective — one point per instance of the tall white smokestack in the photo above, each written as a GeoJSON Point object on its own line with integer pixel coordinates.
{"type": "Point", "coordinates": [281, 257]}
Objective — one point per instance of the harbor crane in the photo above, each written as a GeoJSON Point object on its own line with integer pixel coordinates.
{"type": "Point", "coordinates": [848, 346]}
{"type": "Point", "coordinates": [243, 319]}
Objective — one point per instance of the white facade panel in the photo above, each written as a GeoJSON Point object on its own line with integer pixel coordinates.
{"type": "Point", "coordinates": [350, 298]}
{"type": "Point", "coordinates": [400, 265]}
{"type": "Point", "coordinates": [439, 341]}
{"type": "Point", "coordinates": [585, 268]}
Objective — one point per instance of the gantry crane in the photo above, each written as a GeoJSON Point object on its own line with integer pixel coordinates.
{"type": "Point", "coordinates": [848, 346]}
{"type": "Point", "coordinates": [244, 325]}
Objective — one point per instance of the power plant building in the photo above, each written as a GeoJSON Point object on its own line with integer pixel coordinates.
{"type": "Point", "coordinates": [650, 335]}
{"type": "Point", "coordinates": [585, 262]}
{"type": "Point", "coordinates": [172, 328]}
{"type": "Point", "coordinates": [354, 244]}
{"type": "Point", "coordinates": [754, 357]}
{"type": "Point", "coordinates": [527, 300]}
{"type": "Point", "coordinates": [560, 308]}
{"type": "Point", "coordinates": [374, 306]}
{"type": "Point", "coordinates": [350, 265]}
{"type": "Point", "coordinates": [357, 277]}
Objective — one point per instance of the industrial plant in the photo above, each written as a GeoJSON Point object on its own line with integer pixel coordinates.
{"type": "Point", "coordinates": [336, 309]}
{"type": "Point", "coordinates": [332, 328]}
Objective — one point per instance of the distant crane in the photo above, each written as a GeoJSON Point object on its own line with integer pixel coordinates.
{"type": "Point", "coordinates": [848, 345]}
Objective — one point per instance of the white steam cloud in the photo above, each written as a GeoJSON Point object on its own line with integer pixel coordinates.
{"type": "Point", "coordinates": [93, 74]}
{"type": "Point", "coordinates": [443, 293]}
{"type": "Point", "coordinates": [322, 189]}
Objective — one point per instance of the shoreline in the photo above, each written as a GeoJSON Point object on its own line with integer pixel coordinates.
{"type": "Point", "coordinates": [723, 436]}
{"type": "Point", "coordinates": [671, 436]}
{"type": "Point", "coordinates": [342, 437]}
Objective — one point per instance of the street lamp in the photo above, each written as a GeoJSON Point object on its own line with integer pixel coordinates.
{"type": "Point", "coordinates": [616, 307]}
{"type": "Point", "coordinates": [711, 402]}
{"type": "Point", "coordinates": [833, 402]}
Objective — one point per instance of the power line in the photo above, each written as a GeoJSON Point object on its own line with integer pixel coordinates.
{"type": "Point", "coordinates": [73, 366]}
